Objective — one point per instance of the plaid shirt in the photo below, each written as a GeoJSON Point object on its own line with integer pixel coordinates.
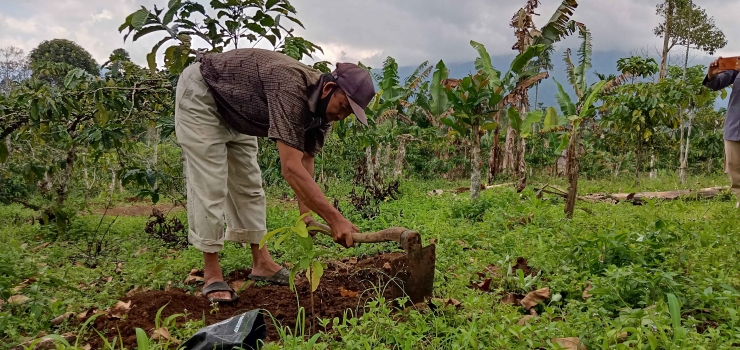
{"type": "Point", "coordinates": [267, 94]}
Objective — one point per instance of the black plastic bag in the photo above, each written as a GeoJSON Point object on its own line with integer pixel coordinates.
{"type": "Point", "coordinates": [240, 332]}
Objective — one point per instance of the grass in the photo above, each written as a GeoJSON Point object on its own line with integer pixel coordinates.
{"type": "Point", "coordinates": [663, 275]}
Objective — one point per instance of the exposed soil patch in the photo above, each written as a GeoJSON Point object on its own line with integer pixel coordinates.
{"type": "Point", "coordinates": [138, 210]}
{"type": "Point", "coordinates": [346, 285]}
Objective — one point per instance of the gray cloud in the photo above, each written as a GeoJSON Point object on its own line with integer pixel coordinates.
{"type": "Point", "coordinates": [351, 30]}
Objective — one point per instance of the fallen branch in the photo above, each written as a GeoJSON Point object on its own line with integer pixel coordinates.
{"type": "Point", "coordinates": [467, 189]}
{"type": "Point", "coordinates": [705, 193]}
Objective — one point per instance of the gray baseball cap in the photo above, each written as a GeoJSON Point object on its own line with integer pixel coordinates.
{"type": "Point", "coordinates": [357, 84]}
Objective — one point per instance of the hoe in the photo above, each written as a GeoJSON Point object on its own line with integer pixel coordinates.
{"type": "Point", "coordinates": [413, 272]}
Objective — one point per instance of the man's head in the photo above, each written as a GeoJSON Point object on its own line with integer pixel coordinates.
{"type": "Point", "coordinates": [350, 92]}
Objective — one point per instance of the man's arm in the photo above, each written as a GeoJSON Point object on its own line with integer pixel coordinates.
{"type": "Point", "coordinates": [308, 164]}
{"type": "Point", "coordinates": [310, 195]}
{"type": "Point", "coordinates": [721, 80]}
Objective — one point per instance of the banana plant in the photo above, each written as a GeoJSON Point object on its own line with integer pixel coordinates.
{"type": "Point", "coordinates": [576, 114]}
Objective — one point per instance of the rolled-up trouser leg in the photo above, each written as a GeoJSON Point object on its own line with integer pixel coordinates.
{"type": "Point", "coordinates": [203, 136]}
{"type": "Point", "coordinates": [732, 165]}
{"type": "Point", "coordinates": [245, 202]}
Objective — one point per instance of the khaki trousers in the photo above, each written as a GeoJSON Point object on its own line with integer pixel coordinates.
{"type": "Point", "coordinates": [732, 165]}
{"type": "Point", "coordinates": [224, 182]}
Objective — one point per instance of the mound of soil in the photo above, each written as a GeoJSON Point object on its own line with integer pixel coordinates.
{"type": "Point", "coordinates": [346, 285]}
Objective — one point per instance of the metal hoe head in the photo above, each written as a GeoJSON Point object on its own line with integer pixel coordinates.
{"type": "Point", "coordinates": [413, 272]}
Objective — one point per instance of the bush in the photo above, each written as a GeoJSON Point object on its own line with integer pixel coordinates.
{"type": "Point", "coordinates": [471, 209]}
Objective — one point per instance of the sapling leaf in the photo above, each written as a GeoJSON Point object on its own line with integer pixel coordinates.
{"type": "Point", "coordinates": [316, 272]}
{"type": "Point", "coordinates": [269, 235]}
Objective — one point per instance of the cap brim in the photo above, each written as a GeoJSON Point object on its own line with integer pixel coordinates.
{"type": "Point", "coordinates": [358, 111]}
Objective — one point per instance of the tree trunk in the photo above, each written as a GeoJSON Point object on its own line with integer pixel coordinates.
{"type": "Point", "coordinates": [573, 168]}
{"type": "Point", "coordinates": [400, 157]}
{"type": "Point", "coordinates": [387, 159]}
{"type": "Point", "coordinates": [509, 151]}
{"type": "Point", "coordinates": [113, 182]}
{"type": "Point", "coordinates": [683, 154]}
{"type": "Point", "coordinates": [378, 156]}
{"type": "Point", "coordinates": [638, 158]}
{"type": "Point", "coordinates": [87, 185]}
{"type": "Point", "coordinates": [369, 168]}
{"type": "Point", "coordinates": [666, 39]}
{"type": "Point", "coordinates": [683, 173]}
{"type": "Point", "coordinates": [494, 162]}
{"type": "Point", "coordinates": [63, 185]}
{"type": "Point", "coordinates": [475, 161]}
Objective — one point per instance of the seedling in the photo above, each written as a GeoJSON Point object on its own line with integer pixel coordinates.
{"type": "Point", "coordinates": [306, 251]}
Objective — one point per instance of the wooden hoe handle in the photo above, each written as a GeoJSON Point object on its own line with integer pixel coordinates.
{"type": "Point", "coordinates": [409, 240]}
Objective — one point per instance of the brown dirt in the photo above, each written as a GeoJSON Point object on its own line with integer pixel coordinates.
{"type": "Point", "coordinates": [138, 210]}
{"type": "Point", "coordinates": [334, 296]}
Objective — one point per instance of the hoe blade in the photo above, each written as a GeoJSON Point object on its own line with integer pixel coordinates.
{"type": "Point", "coordinates": [413, 274]}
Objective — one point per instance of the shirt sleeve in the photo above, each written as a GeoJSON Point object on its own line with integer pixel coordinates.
{"type": "Point", "coordinates": [316, 138]}
{"type": "Point", "coordinates": [721, 81]}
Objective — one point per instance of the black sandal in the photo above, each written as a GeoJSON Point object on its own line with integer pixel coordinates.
{"type": "Point", "coordinates": [219, 287]}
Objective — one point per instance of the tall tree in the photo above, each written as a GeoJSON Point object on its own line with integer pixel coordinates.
{"type": "Point", "coordinates": [686, 24]}
{"type": "Point", "coordinates": [13, 68]}
{"type": "Point", "coordinates": [62, 51]}
{"type": "Point", "coordinates": [237, 23]}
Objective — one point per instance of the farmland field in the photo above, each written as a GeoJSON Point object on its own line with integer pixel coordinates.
{"type": "Point", "coordinates": [609, 272]}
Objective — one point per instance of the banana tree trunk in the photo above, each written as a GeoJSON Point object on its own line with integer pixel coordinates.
{"type": "Point", "coordinates": [369, 168]}
{"type": "Point", "coordinates": [400, 157]}
{"type": "Point", "coordinates": [378, 157]}
{"type": "Point", "coordinates": [574, 158]}
{"type": "Point", "coordinates": [475, 161]}
{"type": "Point", "coordinates": [509, 151]}
{"type": "Point", "coordinates": [494, 161]}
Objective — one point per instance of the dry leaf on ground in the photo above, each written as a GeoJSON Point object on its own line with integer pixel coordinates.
{"type": "Point", "coordinates": [239, 285]}
{"type": "Point", "coordinates": [163, 333]}
{"type": "Point", "coordinates": [119, 267]}
{"type": "Point", "coordinates": [23, 285]}
{"type": "Point", "coordinates": [347, 293]}
{"type": "Point", "coordinates": [510, 298]}
{"type": "Point", "coordinates": [484, 286]}
{"type": "Point", "coordinates": [522, 321]}
{"type": "Point", "coordinates": [387, 266]}
{"type": "Point", "coordinates": [570, 343]}
{"type": "Point", "coordinates": [39, 247]}
{"type": "Point", "coordinates": [61, 318]}
{"type": "Point", "coordinates": [193, 278]}
{"type": "Point", "coordinates": [120, 309]}
{"type": "Point", "coordinates": [449, 301]}
{"type": "Point", "coordinates": [136, 290]}
{"type": "Point", "coordinates": [533, 298]}
{"type": "Point", "coordinates": [494, 270]}
{"type": "Point", "coordinates": [18, 299]}
{"type": "Point", "coordinates": [586, 293]}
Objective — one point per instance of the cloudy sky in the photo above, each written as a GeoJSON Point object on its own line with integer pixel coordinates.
{"type": "Point", "coordinates": [359, 30]}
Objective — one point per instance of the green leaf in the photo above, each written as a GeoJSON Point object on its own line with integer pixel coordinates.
{"type": "Point", "coordinates": [675, 310]}
{"type": "Point", "coordinates": [563, 144]}
{"type": "Point", "coordinates": [139, 19]}
{"type": "Point", "coordinates": [3, 152]}
{"type": "Point", "coordinates": [59, 338]}
{"type": "Point", "coordinates": [151, 58]}
{"type": "Point", "coordinates": [485, 64]}
{"type": "Point", "coordinates": [723, 93]}
{"type": "Point", "coordinates": [440, 101]}
{"type": "Point", "coordinates": [317, 270]}
{"type": "Point", "coordinates": [300, 229]}
{"type": "Point", "coordinates": [551, 119]}
{"type": "Point", "coordinates": [515, 120]}
{"type": "Point", "coordinates": [566, 105]}
{"type": "Point", "coordinates": [591, 98]}
{"type": "Point", "coordinates": [521, 61]}
{"type": "Point", "coordinates": [174, 6]}
{"type": "Point", "coordinates": [488, 125]}
{"type": "Point", "coordinates": [270, 234]}
{"type": "Point", "coordinates": [531, 119]}
{"type": "Point", "coordinates": [270, 3]}
{"type": "Point", "coordinates": [142, 341]}
{"type": "Point", "coordinates": [291, 279]}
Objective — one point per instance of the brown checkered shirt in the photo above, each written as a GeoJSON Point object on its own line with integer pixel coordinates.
{"type": "Point", "coordinates": [267, 94]}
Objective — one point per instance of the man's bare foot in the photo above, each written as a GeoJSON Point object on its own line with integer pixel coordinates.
{"type": "Point", "coordinates": [263, 263]}
{"type": "Point", "coordinates": [212, 273]}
